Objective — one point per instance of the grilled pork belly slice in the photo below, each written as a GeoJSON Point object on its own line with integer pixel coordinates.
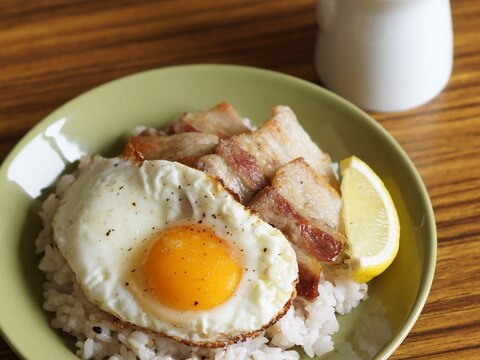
{"type": "Point", "coordinates": [255, 157]}
{"type": "Point", "coordinates": [306, 208]}
{"type": "Point", "coordinates": [222, 120]}
{"type": "Point", "coordinates": [309, 271]}
{"type": "Point", "coordinates": [309, 192]}
{"type": "Point", "coordinates": [282, 139]}
{"type": "Point", "coordinates": [185, 148]}
{"type": "Point", "coordinates": [217, 167]}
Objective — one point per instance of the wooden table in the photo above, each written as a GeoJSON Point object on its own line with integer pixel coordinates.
{"type": "Point", "coordinates": [51, 51]}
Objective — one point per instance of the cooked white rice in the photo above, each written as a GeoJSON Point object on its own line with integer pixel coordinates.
{"type": "Point", "coordinates": [307, 324]}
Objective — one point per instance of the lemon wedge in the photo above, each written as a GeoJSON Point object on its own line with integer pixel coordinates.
{"type": "Point", "coordinates": [370, 220]}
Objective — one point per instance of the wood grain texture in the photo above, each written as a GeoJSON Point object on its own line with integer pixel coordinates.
{"type": "Point", "coordinates": [51, 51]}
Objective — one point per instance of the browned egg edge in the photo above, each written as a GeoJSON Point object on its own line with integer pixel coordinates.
{"type": "Point", "coordinates": [219, 342]}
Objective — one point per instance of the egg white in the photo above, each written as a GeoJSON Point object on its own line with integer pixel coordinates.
{"type": "Point", "coordinates": [107, 219]}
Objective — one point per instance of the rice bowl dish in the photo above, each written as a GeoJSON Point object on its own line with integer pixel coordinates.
{"type": "Point", "coordinates": [74, 129]}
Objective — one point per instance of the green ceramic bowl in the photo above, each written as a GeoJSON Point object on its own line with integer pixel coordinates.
{"type": "Point", "coordinates": [100, 120]}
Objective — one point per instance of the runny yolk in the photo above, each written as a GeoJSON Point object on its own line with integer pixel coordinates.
{"type": "Point", "coordinates": [191, 268]}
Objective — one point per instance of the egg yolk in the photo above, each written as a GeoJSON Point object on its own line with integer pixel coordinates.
{"type": "Point", "coordinates": [191, 268]}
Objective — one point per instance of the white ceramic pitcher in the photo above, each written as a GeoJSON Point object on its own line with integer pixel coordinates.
{"type": "Point", "coordinates": [384, 55]}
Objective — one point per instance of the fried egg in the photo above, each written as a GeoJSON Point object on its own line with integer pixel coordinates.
{"type": "Point", "coordinates": [165, 247]}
